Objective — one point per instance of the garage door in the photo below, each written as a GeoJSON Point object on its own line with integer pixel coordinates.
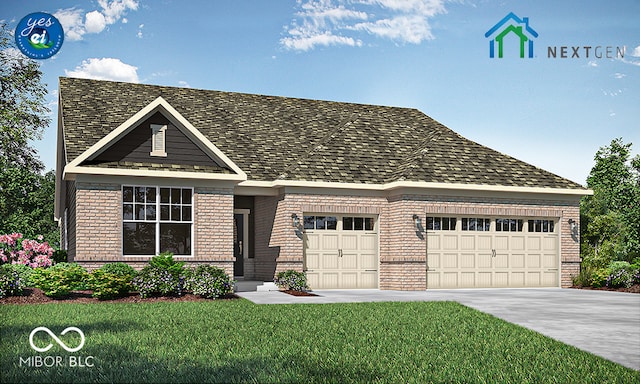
{"type": "Point", "coordinates": [341, 251]}
{"type": "Point", "coordinates": [483, 252]}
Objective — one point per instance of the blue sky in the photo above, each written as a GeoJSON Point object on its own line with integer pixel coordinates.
{"type": "Point", "coordinates": [426, 54]}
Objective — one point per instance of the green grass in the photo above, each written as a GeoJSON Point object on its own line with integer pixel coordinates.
{"type": "Point", "coordinates": [230, 341]}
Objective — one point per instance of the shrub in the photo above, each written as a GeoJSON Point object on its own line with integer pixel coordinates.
{"type": "Point", "coordinates": [620, 278]}
{"type": "Point", "coordinates": [15, 249]}
{"type": "Point", "coordinates": [59, 256]}
{"type": "Point", "coordinates": [156, 281]}
{"type": "Point", "coordinates": [209, 281]}
{"type": "Point", "coordinates": [11, 284]}
{"type": "Point", "coordinates": [583, 279]}
{"type": "Point", "coordinates": [292, 280]}
{"type": "Point", "coordinates": [165, 261]}
{"type": "Point", "coordinates": [24, 271]}
{"type": "Point", "coordinates": [59, 280]}
{"type": "Point", "coordinates": [112, 280]}
{"type": "Point", "coordinates": [599, 277]}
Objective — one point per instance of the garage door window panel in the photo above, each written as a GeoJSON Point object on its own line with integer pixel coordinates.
{"type": "Point", "coordinates": [476, 224]}
{"type": "Point", "coordinates": [542, 226]}
{"type": "Point", "coordinates": [509, 225]}
{"type": "Point", "coordinates": [441, 223]}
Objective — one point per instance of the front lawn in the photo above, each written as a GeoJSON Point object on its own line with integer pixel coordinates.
{"type": "Point", "coordinates": [230, 341]}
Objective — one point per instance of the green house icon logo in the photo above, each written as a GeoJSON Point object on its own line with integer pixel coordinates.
{"type": "Point", "coordinates": [511, 24]}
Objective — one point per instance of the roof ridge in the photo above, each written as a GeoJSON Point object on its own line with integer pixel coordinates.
{"type": "Point", "coordinates": [415, 157]}
{"type": "Point", "coordinates": [323, 140]}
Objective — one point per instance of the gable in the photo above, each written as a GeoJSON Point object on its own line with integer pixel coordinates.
{"type": "Point", "coordinates": [127, 150]}
{"type": "Point", "coordinates": [136, 147]}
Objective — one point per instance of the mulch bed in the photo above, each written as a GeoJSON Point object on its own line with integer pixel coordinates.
{"type": "Point", "coordinates": [36, 296]}
{"type": "Point", "coordinates": [633, 289]}
{"type": "Point", "coordinates": [298, 293]}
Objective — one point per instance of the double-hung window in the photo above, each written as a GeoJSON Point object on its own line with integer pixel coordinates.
{"type": "Point", "coordinates": [157, 219]}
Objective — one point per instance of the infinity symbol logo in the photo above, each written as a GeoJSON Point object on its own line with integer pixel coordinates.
{"type": "Point", "coordinates": [63, 345]}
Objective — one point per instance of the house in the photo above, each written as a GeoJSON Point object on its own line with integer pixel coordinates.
{"type": "Point", "coordinates": [511, 24]}
{"type": "Point", "coordinates": [358, 196]}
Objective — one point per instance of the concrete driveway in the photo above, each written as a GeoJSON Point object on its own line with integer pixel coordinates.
{"type": "Point", "coordinates": [604, 323]}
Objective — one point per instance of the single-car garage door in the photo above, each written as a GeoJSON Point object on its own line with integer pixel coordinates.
{"type": "Point", "coordinates": [483, 252]}
{"type": "Point", "coordinates": [341, 251]}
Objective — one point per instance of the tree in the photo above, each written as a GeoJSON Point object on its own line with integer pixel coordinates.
{"type": "Point", "coordinates": [611, 217]}
{"type": "Point", "coordinates": [23, 113]}
{"type": "Point", "coordinates": [26, 195]}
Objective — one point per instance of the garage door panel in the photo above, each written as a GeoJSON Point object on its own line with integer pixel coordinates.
{"type": "Point", "coordinates": [313, 243]}
{"type": "Point", "coordinates": [467, 243]}
{"type": "Point", "coordinates": [549, 261]}
{"type": "Point", "coordinates": [433, 280]}
{"type": "Point", "coordinates": [329, 242]}
{"type": "Point", "coordinates": [501, 279]}
{"type": "Point", "coordinates": [368, 242]}
{"type": "Point", "coordinates": [329, 280]}
{"type": "Point", "coordinates": [467, 279]}
{"type": "Point", "coordinates": [368, 280]}
{"type": "Point", "coordinates": [534, 243]}
{"type": "Point", "coordinates": [517, 243]}
{"type": "Point", "coordinates": [517, 260]}
{"type": "Point", "coordinates": [433, 260]}
{"type": "Point", "coordinates": [501, 260]}
{"type": "Point", "coordinates": [501, 243]}
{"type": "Point", "coordinates": [329, 260]}
{"type": "Point", "coordinates": [484, 243]}
{"type": "Point", "coordinates": [484, 260]}
{"type": "Point", "coordinates": [313, 279]}
{"type": "Point", "coordinates": [313, 261]}
{"type": "Point", "coordinates": [433, 242]}
{"type": "Point", "coordinates": [549, 244]}
{"type": "Point", "coordinates": [533, 279]}
{"type": "Point", "coordinates": [484, 280]}
{"type": "Point", "coordinates": [450, 280]}
{"type": "Point", "coordinates": [349, 280]}
{"type": "Point", "coordinates": [450, 260]}
{"type": "Point", "coordinates": [467, 260]}
{"type": "Point", "coordinates": [533, 261]}
{"type": "Point", "coordinates": [349, 260]}
{"type": "Point", "coordinates": [550, 278]}
{"type": "Point", "coordinates": [449, 243]}
{"type": "Point", "coordinates": [517, 279]}
{"type": "Point", "coordinates": [349, 243]}
{"type": "Point", "coordinates": [369, 261]}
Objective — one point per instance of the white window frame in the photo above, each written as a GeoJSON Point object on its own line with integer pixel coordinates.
{"type": "Point", "coordinates": [158, 140]}
{"type": "Point", "coordinates": [158, 220]}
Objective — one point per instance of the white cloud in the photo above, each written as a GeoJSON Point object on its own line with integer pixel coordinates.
{"type": "Point", "coordinates": [183, 84]}
{"type": "Point", "coordinates": [618, 75]}
{"type": "Point", "coordinates": [636, 51]}
{"type": "Point", "coordinates": [76, 26]}
{"type": "Point", "coordinates": [343, 22]}
{"type": "Point", "coordinates": [592, 63]}
{"type": "Point", "coordinates": [71, 20]}
{"type": "Point", "coordinates": [139, 34]}
{"type": "Point", "coordinates": [105, 69]}
{"type": "Point", "coordinates": [94, 22]}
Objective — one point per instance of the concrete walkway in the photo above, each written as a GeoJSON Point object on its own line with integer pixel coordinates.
{"type": "Point", "coordinates": [604, 323]}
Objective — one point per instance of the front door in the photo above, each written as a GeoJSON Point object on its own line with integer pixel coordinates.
{"type": "Point", "coordinates": [238, 244]}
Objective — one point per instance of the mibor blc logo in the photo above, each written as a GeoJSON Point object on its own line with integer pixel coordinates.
{"type": "Point", "coordinates": [511, 25]}
{"type": "Point", "coordinates": [49, 361]}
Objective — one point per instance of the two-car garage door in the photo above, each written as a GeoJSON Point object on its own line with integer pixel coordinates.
{"type": "Point", "coordinates": [465, 252]}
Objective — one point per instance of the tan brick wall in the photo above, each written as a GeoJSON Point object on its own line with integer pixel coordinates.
{"type": "Point", "coordinates": [98, 222]}
{"type": "Point", "coordinates": [213, 227]}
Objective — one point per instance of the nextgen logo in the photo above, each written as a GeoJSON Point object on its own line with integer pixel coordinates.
{"type": "Point", "coordinates": [512, 25]}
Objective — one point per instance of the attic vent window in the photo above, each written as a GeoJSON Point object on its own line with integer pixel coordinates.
{"type": "Point", "coordinates": [158, 143]}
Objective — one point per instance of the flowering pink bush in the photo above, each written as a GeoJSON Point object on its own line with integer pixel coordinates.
{"type": "Point", "coordinates": [16, 250]}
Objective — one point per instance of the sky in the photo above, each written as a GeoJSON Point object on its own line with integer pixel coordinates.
{"type": "Point", "coordinates": [431, 55]}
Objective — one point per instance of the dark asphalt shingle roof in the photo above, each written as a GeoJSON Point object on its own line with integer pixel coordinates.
{"type": "Point", "coordinates": [271, 137]}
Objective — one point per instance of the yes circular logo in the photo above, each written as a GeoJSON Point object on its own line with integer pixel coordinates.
{"type": "Point", "coordinates": [39, 35]}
